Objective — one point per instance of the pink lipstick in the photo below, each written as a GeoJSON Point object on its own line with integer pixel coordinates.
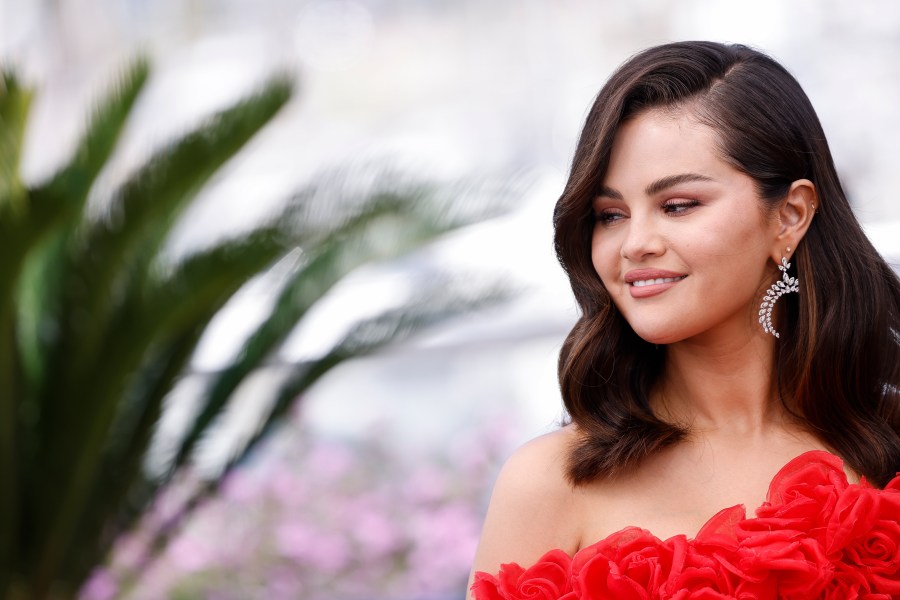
{"type": "Point", "coordinates": [643, 283]}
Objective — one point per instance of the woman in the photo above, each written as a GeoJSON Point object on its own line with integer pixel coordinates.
{"type": "Point", "coordinates": [738, 347]}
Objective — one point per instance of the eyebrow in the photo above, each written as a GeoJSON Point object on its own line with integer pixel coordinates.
{"type": "Point", "coordinates": [657, 186]}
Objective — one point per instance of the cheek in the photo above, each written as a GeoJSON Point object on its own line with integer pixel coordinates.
{"type": "Point", "coordinates": [726, 243]}
{"type": "Point", "coordinates": [603, 257]}
{"type": "Point", "coordinates": [737, 263]}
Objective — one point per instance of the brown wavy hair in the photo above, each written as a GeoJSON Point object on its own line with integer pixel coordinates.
{"type": "Point", "coordinates": [837, 363]}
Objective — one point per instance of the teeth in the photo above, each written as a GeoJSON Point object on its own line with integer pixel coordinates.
{"type": "Point", "coordinates": [643, 282]}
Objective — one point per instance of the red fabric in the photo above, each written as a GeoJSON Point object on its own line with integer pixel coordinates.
{"type": "Point", "coordinates": [547, 579]}
{"type": "Point", "coordinates": [816, 537]}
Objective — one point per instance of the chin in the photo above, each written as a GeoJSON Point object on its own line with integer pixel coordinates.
{"type": "Point", "coordinates": [654, 335]}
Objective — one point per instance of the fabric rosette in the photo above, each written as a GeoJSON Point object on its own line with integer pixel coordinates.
{"type": "Point", "coordinates": [548, 579]}
{"type": "Point", "coordinates": [801, 497]}
{"type": "Point", "coordinates": [863, 536]}
{"type": "Point", "coordinates": [635, 564]}
{"type": "Point", "coordinates": [845, 534]}
{"type": "Point", "coordinates": [782, 564]}
{"type": "Point", "coordinates": [709, 572]}
{"type": "Point", "coordinates": [631, 564]}
{"type": "Point", "coordinates": [816, 537]}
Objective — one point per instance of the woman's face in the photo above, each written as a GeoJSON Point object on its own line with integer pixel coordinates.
{"type": "Point", "coordinates": [681, 241]}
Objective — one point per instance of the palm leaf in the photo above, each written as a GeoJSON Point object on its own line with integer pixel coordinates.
{"type": "Point", "coordinates": [111, 257]}
{"type": "Point", "coordinates": [56, 207]}
{"type": "Point", "coordinates": [440, 301]}
{"type": "Point", "coordinates": [14, 104]}
{"type": "Point", "coordinates": [436, 304]}
{"type": "Point", "coordinates": [122, 491]}
{"type": "Point", "coordinates": [147, 205]}
{"type": "Point", "coordinates": [62, 198]}
{"type": "Point", "coordinates": [175, 310]}
{"type": "Point", "coordinates": [96, 328]}
{"type": "Point", "coordinates": [362, 238]}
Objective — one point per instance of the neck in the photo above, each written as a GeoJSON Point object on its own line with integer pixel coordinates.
{"type": "Point", "coordinates": [720, 386]}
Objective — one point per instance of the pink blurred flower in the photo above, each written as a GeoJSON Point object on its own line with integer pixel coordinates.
{"type": "Point", "coordinates": [427, 484]}
{"type": "Point", "coordinates": [100, 586]}
{"type": "Point", "coordinates": [322, 550]}
{"type": "Point", "coordinates": [332, 519]}
{"type": "Point", "coordinates": [190, 553]}
{"type": "Point", "coordinates": [377, 534]}
{"type": "Point", "coordinates": [329, 461]}
{"type": "Point", "coordinates": [240, 486]}
{"type": "Point", "coordinates": [445, 542]}
{"type": "Point", "coordinates": [287, 488]}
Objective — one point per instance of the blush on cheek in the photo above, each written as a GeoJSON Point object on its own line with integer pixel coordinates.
{"type": "Point", "coordinates": [603, 271]}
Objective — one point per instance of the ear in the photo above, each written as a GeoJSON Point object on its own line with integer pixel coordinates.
{"type": "Point", "coordinates": [793, 218]}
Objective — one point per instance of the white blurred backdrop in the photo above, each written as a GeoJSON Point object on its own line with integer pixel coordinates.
{"type": "Point", "coordinates": [445, 90]}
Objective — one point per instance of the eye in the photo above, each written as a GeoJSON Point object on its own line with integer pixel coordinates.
{"type": "Point", "coordinates": [679, 206]}
{"type": "Point", "coordinates": [607, 216]}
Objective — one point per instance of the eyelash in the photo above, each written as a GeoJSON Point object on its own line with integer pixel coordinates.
{"type": "Point", "coordinates": [676, 207]}
{"type": "Point", "coordinates": [670, 208]}
{"type": "Point", "coordinates": [605, 218]}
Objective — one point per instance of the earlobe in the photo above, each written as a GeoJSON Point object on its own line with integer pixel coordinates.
{"type": "Point", "coordinates": [794, 216]}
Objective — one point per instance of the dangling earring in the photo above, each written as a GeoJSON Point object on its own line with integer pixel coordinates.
{"type": "Point", "coordinates": [779, 288]}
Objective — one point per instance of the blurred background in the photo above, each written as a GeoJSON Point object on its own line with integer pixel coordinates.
{"type": "Point", "coordinates": [375, 484]}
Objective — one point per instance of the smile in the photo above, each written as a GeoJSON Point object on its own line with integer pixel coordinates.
{"type": "Point", "coordinates": [647, 284]}
{"type": "Point", "coordinates": [657, 281]}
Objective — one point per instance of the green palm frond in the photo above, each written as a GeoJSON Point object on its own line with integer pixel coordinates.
{"type": "Point", "coordinates": [175, 310]}
{"type": "Point", "coordinates": [14, 104]}
{"type": "Point", "coordinates": [103, 333]}
{"type": "Point", "coordinates": [116, 251]}
{"type": "Point", "coordinates": [61, 199]}
{"type": "Point", "coordinates": [435, 303]}
{"type": "Point", "coordinates": [98, 326]}
{"type": "Point", "coordinates": [56, 207]}
{"type": "Point", "coordinates": [370, 235]}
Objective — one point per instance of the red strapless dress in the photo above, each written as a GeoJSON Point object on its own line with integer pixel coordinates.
{"type": "Point", "coordinates": [816, 536]}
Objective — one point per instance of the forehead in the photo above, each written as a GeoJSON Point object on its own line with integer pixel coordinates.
{"type": "Point", "coordinates": [659, 143]}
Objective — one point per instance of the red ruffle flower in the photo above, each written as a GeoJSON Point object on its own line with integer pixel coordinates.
{"type": "Point", "coordinates": [707, 573]}
{"type": "Point", "coordinates": [816, 537]}
{"type": "Point", "coordinates": [782, 564]}
{"type": "Point", "coordinates": [863, 535]}
{"type": "Point", "coordinates": [632, 564]}
{"type": "Point", "coordinates": [548, 579]}
{"type": "Point", "coordinates": [801, 497]}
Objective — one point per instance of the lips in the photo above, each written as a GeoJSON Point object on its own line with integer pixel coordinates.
{"type": "Point", "coordinates": [657, 281]}
{"type": "Point", "coordinates": [650, 282]}
{"type": "Point", "coordinates": [641, 276]}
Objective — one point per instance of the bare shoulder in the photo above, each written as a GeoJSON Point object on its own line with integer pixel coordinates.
{"type": "Point", "coordinates": [537, 469]}
{"type": "Point", "coordinates": [532, 508]}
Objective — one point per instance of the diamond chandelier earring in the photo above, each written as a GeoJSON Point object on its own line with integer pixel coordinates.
{"type": "Point", "coordinates": [786, 285]}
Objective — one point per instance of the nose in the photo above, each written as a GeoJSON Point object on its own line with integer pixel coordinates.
{"type": "Point", "coordinates": [642, 240]}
